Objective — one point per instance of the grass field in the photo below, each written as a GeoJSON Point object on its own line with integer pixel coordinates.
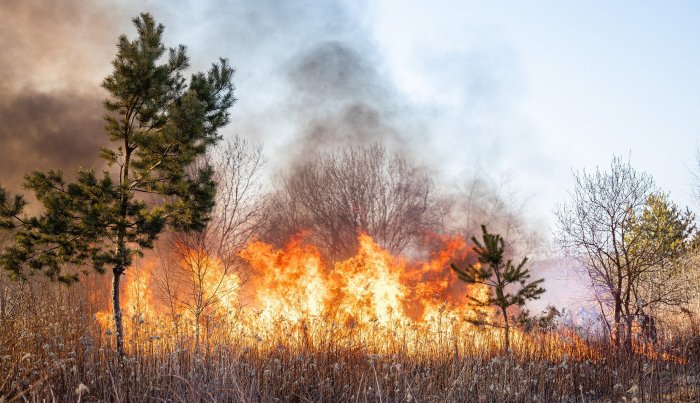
{"type": "Point", "coordinates": [53, 347]}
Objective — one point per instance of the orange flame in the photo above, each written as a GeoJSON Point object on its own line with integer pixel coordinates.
{"type": "Point", "coordinates": [372, 300]}
{"type": "Point", "coordinates": [372, 286]}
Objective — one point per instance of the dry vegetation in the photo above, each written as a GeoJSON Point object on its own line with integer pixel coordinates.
{"type": "Point", "coordinates": [220, 316]}
{"type": "Point", "coordinates": [52, 347]}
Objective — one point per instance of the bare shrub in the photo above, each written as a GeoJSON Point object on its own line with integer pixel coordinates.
{"type": "Point", "coordinates": [335, 196]}
{"type": "Point", "coordinates": [198, 270]}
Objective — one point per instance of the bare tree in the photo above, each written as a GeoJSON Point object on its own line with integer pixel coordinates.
{"type": "Point", "coordinates": [337, 195]}
{"type": "Point", "coordinates": [611, 226]}
{"type": "Point", "coordinates": [691, 285]}
{"type": "Point", "coordinates": [241, 198]}
{"type": "Point", "coordinates": [196, 282]}
{"type": "Point", "coordinates": [199, 270]}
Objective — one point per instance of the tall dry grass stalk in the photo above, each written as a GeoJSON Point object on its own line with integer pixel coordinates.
{"type": "Point", "coordinates": [53, 348]}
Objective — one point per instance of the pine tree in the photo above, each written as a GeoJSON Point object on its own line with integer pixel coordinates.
{"type": "Point", "coordinates": [158, 126]}
{"type": "Point", "coordinates": [508, 283]}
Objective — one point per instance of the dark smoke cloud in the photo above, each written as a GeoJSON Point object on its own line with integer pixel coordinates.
{"type": "Point", "coordinates": [308, 78]}
{"type": "Point", "coordinates": [54, 55]}
{"type": "Point", "coordinates": [339, 97]}
{"type": "Point", "coordinates": [54, 43]}
{"type": "Point", "coordinates": [45, 131]}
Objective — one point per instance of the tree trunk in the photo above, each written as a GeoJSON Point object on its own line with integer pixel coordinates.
{"type": "Point", "coordinates": [628, 336]}
{"type": "Point", "coordinates": [3, 302]}
{"type": "Point", "coordinates": [506, 330]}
{"type": "Point", "coordinates": [117, 310]}
{"type": "Point", "coordinates": [196, 332]}
{"type": "Point", "coordinates": [618, 326]}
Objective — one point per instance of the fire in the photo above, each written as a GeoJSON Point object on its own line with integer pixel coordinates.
{"type": "Point", "coordinates": [288, 283]}
{"type": "Point", "coordinates": [291, 297]}
{"type": "Point", "coordinates": [139, 306]}
{"type": "Point", "coordinates": [371, 287]}
{"type": "Point", "coordinates": [179, 297]}
{"type": "Point", "coordinates": [209, 283]}
{"type": "Point", "coordinates": [138, 302]}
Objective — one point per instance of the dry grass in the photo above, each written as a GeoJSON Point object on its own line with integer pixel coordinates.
{"type": "Point", "coordinates": [51, 344]}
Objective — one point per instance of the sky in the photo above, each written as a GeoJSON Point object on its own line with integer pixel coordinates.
{"type": "Point", "coordinates": [524, 90]}
{"type": "Point", "coordinates": [569, 85]}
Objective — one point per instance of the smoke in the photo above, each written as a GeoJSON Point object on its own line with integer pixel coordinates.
{"type": "Point", "coordinates": [310, 78]}
{"type": "Point", "coordinates": [307, 77]}
{"type": "Point", "coordinates": [54, 56]}
{"type": "Point", "coordinates": [341, 98]}
{"type": "Point", "coordinates": [45, 131]}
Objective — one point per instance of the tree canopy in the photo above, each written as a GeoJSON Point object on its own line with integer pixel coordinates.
{"type": "Point", "coordinates": [626, 234]}
{"type": "Point", "coordinates": [508, 283]}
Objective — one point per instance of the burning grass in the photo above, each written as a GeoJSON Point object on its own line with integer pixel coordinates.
{"type": "Point", "coordinates": [375, 328]}
{"type": "Point", "coordinates": [52, 355]}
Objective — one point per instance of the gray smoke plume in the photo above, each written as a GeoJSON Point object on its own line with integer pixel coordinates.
{"type": "Point", "coordinates": [54, 54]}
{"type": "Point", "coordinates": [48, 131]}
{"type": "Point", "coordinates": [309, 79]}
{"type": "Point", "coordinates": [340, 98]}
{"type": "Point", "coordinates": [308, 74]}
